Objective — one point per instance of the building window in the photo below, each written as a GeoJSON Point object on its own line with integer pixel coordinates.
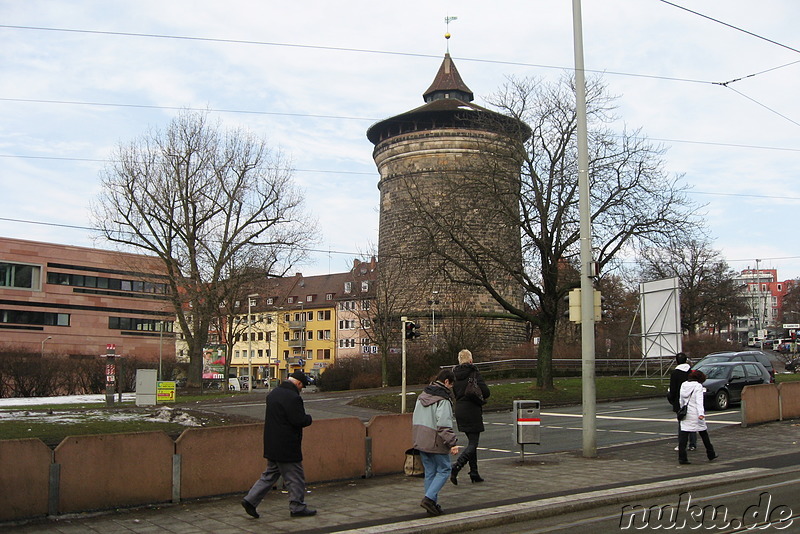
{"type": "Point", "coordinates": [324, 315]}
{"type": "Point", "coordinates": [364, 286]}
{"type": "Point", "coordinates": [329, 296]}
{"type": "Point", "coordinates": [286, 336]}
{"type": "Point", "coordinates": [326, 334]}
{"type": "Point", "coordinates": [348, 287]}
{"type": "Point", "coordinates": [311, 335]}
{"type": "Point", "coordinates": [34, 318]}
{"type": "Point", "coordinates": [290, 300]}
{"type": "Point", "coordinates": [309, 298]}
{"type": "Point", "coordinates": [270, 301]}
{"type": "Point", "coordinates": [20, 276]}
{"type": "Point", "coordinates": [323, 354]}
{"type": "Point", "coordinates": [347, 324]}
{"type": "Point", "coordinates": [365, 305]}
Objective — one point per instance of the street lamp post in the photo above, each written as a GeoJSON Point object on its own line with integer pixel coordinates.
{"type": "Point", "coordinates": [250, 342]}
{"type": "Point", "coordinates": [45, 339]}
{"type": "Point", "coordinates": [433, 302]}
{"type": "Point", "coordinates": [160, 348]}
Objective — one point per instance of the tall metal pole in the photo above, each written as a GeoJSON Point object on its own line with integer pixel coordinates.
{"type": "Point", "coordinates": [403, 321]}
{"type": "Point", "coordinates": [249, 345]}
{"type": "Point", "coordinates": [587, 265]}
{"type": "Point", "coordinates": [160, 347]}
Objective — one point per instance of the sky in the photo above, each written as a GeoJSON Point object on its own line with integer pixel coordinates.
{"type": "Point", "coordinates": [78, 78]}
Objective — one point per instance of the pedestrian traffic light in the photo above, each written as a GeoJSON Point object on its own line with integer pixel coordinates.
{"type": "Point", "coordinates": [411, 330]}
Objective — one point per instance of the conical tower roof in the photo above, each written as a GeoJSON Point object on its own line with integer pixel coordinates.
{"type": "Point", "coordinates": [448, 84]}
{"type": "Point", "coordinates": [448, 105]}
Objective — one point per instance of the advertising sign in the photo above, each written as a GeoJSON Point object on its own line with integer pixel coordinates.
{"type": "Point", "coordinates": [165, 392]}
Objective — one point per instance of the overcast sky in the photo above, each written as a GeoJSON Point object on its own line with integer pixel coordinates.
{"type": "Point", "coordinates": [312, 76]}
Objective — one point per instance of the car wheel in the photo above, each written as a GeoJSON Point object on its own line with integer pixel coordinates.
{"type": "Point", "coordinates": [721, 400]}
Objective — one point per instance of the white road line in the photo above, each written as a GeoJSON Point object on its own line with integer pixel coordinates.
{"type": "Point", "coordinates": [617, 418]}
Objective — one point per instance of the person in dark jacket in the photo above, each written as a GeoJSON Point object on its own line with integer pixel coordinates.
{"type": "Point", "coordinates": [676, 379]}
{"type": "Point", "coordinates": [469, 415]}
{"type": "Point", "coordinates": [283, 437]}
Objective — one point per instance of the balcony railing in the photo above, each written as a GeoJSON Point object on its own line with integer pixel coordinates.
{"type": "Point", "coordinates": [297, 325]}
{"type": "Point", "coordinates": [295, 343]}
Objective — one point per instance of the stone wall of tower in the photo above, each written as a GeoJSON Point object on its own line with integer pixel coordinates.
{"type": "Point", "coordinates": [415, 166]}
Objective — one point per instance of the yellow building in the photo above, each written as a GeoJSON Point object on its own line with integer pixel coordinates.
{"type": "Point", "coordinates": [294, 323]}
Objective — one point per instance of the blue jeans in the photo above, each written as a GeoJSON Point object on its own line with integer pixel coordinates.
{"type": "Point", "coordinates": [437, 472]}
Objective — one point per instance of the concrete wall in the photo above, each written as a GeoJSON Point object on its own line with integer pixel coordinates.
{"type": "Point", "coordinates": [223, 459]}
{"type": "Point", "coordinates": [390, 436]}
{"type": "Point", "coordinates": [111, 470]}
{"type": "Point", "coordinates": [24, 473]}
{"type": "Point", "coordinates": [790, 400]}
{"type": "Point", "coordinates": [760, 404]}
{"type": "Point", "coordinates": [116, 470]}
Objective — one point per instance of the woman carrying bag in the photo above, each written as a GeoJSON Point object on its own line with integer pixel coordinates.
{"type": "Point", "coordinates": [694, 420]}
{"type": "Point", "coordinates": [471, 393]}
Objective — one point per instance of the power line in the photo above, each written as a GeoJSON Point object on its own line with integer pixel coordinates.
{"type": "Point", "coordinates": [757, 36]}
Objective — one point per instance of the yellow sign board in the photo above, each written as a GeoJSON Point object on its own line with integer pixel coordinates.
{"type": "Point", "coordinates": [165, 392]}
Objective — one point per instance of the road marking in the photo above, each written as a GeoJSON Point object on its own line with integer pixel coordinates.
{"type": "Point", "coordinates": [649, 419]}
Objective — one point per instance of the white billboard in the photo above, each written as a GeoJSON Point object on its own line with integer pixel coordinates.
{"type": "Point", "coordinates": [661, 318]}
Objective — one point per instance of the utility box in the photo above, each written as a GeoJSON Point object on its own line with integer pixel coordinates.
{"type": "Point", "coordinates": [528, 422]}
{"type": "Point", "coordinates": [146, 387]}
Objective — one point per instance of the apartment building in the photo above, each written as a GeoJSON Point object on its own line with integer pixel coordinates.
{"type": "Point", "coordinates": [300, 322]}
{"type": "Point", "coordinates": [67, 300]}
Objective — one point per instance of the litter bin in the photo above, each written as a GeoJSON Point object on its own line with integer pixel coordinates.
{"type": "Point", "coordinates": [527, 424]}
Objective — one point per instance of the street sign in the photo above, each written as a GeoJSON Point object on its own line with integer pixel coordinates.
{"type": "Point", "coordinates": [794, 326]}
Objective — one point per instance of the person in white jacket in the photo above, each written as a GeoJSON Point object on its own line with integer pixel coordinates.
{"type": "Point", "coordinates": [691, 396]}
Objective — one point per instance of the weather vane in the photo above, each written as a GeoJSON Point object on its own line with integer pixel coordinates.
{"type": "Point", "coordinates": [447, 21]}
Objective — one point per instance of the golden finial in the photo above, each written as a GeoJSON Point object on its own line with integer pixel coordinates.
{"type": "Point", "coordinates": [447, 21]}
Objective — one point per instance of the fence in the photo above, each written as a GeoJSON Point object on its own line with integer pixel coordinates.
{"type": "Point", "coordinates": [86, 473]}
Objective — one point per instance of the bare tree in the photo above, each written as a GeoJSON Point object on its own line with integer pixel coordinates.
{"type": "Point", "coordinates": [710, 295]}
{"type": "Point", "coordinates": [208, 203]}
{"type": "Point", "coordinates": [633, 200]}
{"type": "Point", "coordinates": [790, 310]}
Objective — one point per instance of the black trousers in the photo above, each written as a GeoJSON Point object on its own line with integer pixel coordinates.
{"type": "Point", "coordinates": [470, 452]}
{"type": "Point", "coordinates": [683, 439]}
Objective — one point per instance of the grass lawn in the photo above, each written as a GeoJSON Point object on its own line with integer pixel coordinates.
{"type": "Point", "coordinates": [52, 423]}
{"type": "Point", "coordinates": [567, 391]}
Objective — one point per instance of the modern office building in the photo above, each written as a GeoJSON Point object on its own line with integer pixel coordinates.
{"type": "Point", "coordinates": [67, 300]}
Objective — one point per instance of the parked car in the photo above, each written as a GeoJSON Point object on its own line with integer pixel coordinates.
{"type": "Point", "coordinates": [726, 380]}
{"type": "Point", "coordinates": [792, 365]}
{"type": "Point", "coordinates": [742, 356]}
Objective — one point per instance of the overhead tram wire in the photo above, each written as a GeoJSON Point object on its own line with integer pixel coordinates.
{"type": "Point", "coordinates": [77, 227]}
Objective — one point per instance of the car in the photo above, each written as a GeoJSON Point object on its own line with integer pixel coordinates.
{"type": "Point", "coordinates": [741, 356]}
{"type": "Point", "coordinates": [726, 380]}
{"type": "Point", "coordinates": [792, 365]}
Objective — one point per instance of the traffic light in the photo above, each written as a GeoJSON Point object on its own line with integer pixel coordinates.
{"type": "Point", "coordinates": [411, 330]}
{"type": "Point", "coordinates": [574, 301]}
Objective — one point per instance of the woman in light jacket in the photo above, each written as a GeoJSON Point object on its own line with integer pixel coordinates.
{"type": "Point", "coordinates": [691, 396]}
{"type": "Point", "coordinates": [469, 415]}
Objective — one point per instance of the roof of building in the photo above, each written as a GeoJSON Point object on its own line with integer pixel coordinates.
{"type": "Point", "coordinates": [448, 84]}
{"type": "Point", "coordinates": [448, 105]}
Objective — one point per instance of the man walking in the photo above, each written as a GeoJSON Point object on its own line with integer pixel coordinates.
{"type": "Point", "coordinates": [434, 437]}
{"type": "Point", "coordinates": [283, 436]}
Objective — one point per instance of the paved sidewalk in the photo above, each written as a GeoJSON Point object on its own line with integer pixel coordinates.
{"type": "Point", "coordinates": [544, 484]}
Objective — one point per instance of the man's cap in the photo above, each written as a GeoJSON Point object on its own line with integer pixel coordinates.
{"type": "Point", "coordinates": [301, 377]}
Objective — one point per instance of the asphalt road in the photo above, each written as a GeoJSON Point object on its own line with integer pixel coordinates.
{"type": "Point", "coordinates": [769, 504]}
{"type": "Point", "coordinates": [561, 428]}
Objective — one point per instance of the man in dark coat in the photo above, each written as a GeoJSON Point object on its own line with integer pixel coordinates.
{"type": "Point", "coordinates": [469, 415]}
{"type": "Point", "coordinates": [283, 436]}
{"type": "Point", "coordinates": [676, 379]}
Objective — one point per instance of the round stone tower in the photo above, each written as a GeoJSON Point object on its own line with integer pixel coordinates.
{"type": "Point", "coordinates": [430, 160]}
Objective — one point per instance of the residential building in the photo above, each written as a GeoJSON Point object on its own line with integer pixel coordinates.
{"type": "Point", "coordinates": [67, 300]}
{"type": "Point", "coordinates": [296, 323]}
{"type": "Point", "coordinates": [764, 293]}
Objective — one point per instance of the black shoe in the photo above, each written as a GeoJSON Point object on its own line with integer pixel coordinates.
{"type": "Point", "coordinates": [305, 512]}
{"type": "Point", "coordinates": [475, 477]}
{"type": "Point", "coordinates": [431, 507]}
{"type": "Point", "coordinates": [684, 462]}
{"type": "Point", "coordinates": [711, 458]}
{"type": "Point", "coordinates": [250, 509]}
{"type": "Point", "coordinates": [454, 477]}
